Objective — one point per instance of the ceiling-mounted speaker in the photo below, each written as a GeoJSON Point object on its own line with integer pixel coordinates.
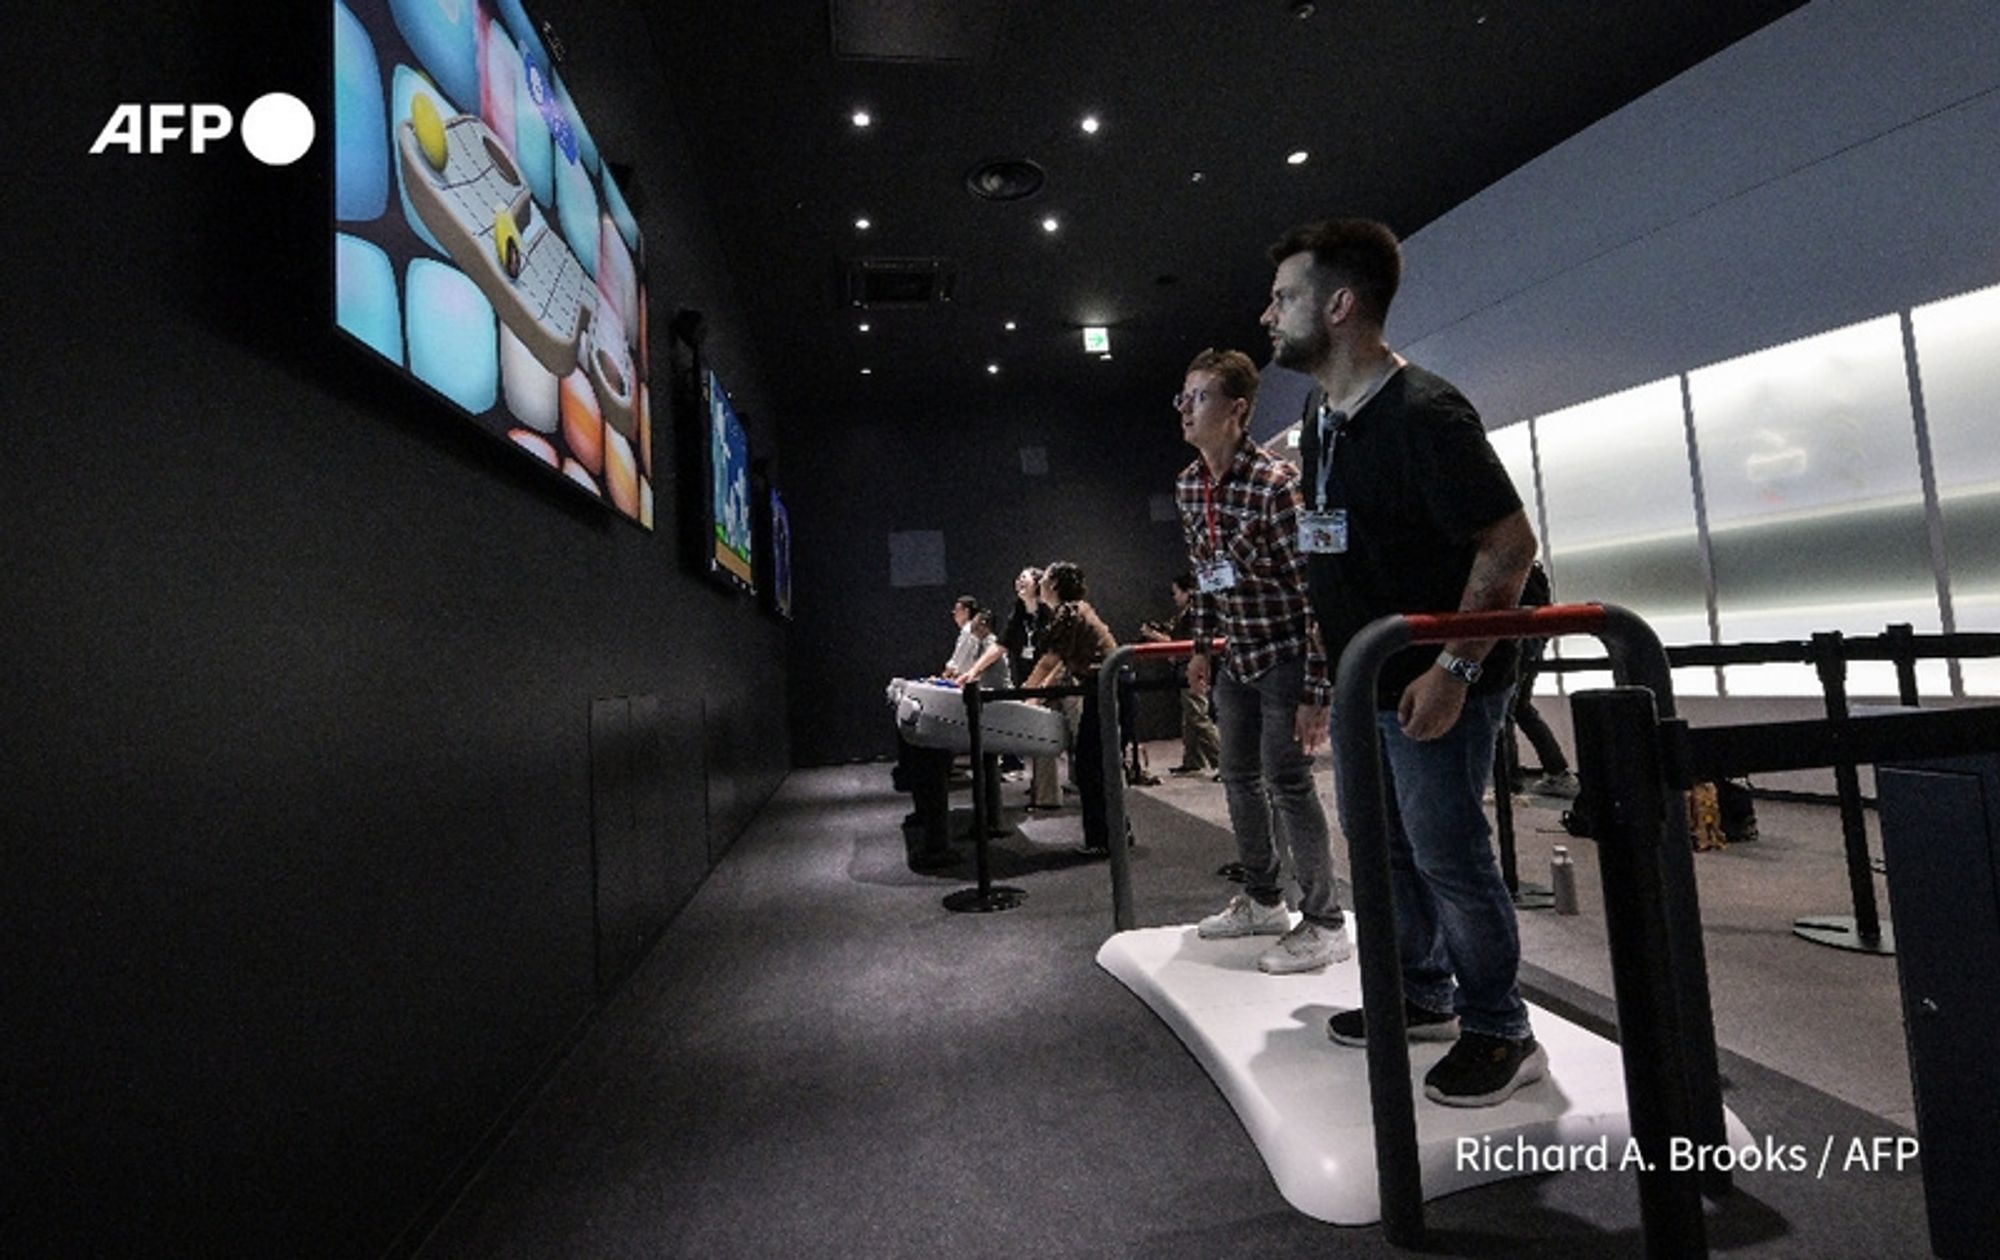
{"type": "Point", "coordinates": [877, 282]}
{"type": "Point", "coordinates": [1005, 179]}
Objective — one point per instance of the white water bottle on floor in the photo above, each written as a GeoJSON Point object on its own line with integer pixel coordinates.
{"type": "Point", "coordinates": [1562, 879]}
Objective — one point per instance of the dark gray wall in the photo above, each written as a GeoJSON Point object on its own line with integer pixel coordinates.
{"type": "Point", "coordinates": [956, 468]}
{"type": "Point", "coordinates": [302, 876]}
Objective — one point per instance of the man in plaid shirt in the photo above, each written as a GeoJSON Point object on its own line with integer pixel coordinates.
{"type": "Point", "coordinates": [1239, 508]}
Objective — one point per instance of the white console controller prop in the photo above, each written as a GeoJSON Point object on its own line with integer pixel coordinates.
{"type": "Point", "coordinates": [1304, 1099]}
{"type": "Point", "coordinates": [932, 715]}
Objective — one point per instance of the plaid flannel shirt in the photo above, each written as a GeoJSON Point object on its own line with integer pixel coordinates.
{"type": "Point", "coordinates": [1266, 617]}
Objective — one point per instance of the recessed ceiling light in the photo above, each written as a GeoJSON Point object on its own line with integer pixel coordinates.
{"type": "Point", "coordinates": [1197, 177]}
{"type": "Point", "coordinates": [1106, 356]}
{"type": "Point", "coordinates": [861, 225]}
{"type": "Point", "coordinates": [867, 371]}
{"type": "Point", "coordinates": [1049, 224]}
{"type": "Point", "coordinates": [863, 327]}
{"type": "Point", "coordinates": [861, 118]}
{"type": "Point", "coordinates": [1089, 124]}
{"type": "Point", "coordinates": [1297, 157]}
{"type": "Point", "coordinates": [993, 369]}
{"type": "Point", "coordinates": [1011, 325]}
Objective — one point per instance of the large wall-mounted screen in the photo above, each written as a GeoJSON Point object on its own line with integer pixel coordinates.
{"type": "Point", "coordinates": [731, 550]}
{"type": "Point", "coordinates": [481, 242]}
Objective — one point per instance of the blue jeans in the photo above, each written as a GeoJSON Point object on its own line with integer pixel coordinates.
{"type": "Point", "coordinates": [1455, 923]}
{"type": "Point", "coordinates": [1267, 777]}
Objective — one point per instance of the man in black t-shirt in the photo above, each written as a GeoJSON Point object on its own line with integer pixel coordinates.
{"type": "Point", "coordinates": [1410, 511]}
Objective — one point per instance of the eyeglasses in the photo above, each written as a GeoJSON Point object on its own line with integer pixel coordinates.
{"type": "Point", "coordinates": [1194, 398]}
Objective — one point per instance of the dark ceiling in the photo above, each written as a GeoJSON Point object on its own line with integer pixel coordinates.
{"type": "Point", "coordinates": [1405, 107]}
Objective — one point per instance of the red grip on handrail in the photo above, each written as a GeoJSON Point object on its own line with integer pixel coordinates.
{"type": "Point", "coordinates": [1170, 648]}
{"type": "Point", "coordinates": [1506, 623]}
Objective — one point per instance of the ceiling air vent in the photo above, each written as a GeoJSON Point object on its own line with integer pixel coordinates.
{"type": "Point", "coordinates": [899, 282]}
{"type": "Point", "coordinates": [1005, 179]}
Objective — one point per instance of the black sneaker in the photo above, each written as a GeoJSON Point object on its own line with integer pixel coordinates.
{"type": "Point", "coordinates": [1481, 1071]}
{"type": "Point", "coordinates": [1350, 1028]}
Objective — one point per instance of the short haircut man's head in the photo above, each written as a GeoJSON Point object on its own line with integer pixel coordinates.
{"type": "Point", "coordinates": [1357, 254]}
{"type": "Point", "coordinates": [1234, 373]}
{"type": "Point", "coordinates": [968, 602]}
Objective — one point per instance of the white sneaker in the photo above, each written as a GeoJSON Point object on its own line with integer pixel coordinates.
{"type": "Point", "coordinates": [1307, 947]}
{"type": "Point", "coordinates": [1245, 916]}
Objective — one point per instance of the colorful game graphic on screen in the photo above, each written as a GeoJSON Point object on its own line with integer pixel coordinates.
{"type": "Point", "coordinates": [729, 488]}
{"type": "Point", "coordinates": [481, 243]}
{"type": "Point", "coordinates": [781, 557]}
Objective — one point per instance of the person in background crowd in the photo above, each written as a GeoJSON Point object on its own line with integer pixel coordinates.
{"type": "Point", "coordinates": [1201, 744]}
{"type": "Point", "coordinates": [1556, 779]}
{"type": "Point", "coordinates": [1074, 645]}
{"type": "Point", "coordinates": [1025, 627]}
{"type": "Point", "coordinates": [966, 649]}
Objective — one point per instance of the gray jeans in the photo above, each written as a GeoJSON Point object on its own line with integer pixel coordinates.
{"type": "Point", "coordinates": [1268, 780]}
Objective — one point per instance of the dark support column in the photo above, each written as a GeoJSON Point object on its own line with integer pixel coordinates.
{"type": "Point", "coordinates": [1864, 933]}
{"type": "Point", "coordinates": [1618, 760]}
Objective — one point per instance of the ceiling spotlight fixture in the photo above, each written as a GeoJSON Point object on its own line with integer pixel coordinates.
{"type": "Point", "coordinates": [993, 369]}
{"type": "Point", "coordinates": [862, 225]}
{"type": "Point", "coordinates": [1011, 325]}
{"type": "Point", "coordinates": [1197, 177]}
{"type": "Point", "coordinates": [1297, 157]}
{"type": "Point", "coordinates": [867, 371]}
{"type": "Point", "coordinates": [1303, 9]}
{"type": "Point", "coordinates": [1089, 124]}
{"type": "Point", "coordinates": [1049, 224]}
{"type": "Point", "coordinates": [862, 327]}
{"type": "Point", "coordinates": [1106, 356]}
{"type": "Point", "coordinates": [861, 118]}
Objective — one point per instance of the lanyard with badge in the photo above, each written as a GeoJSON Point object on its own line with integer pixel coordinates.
{"type": "Point", "coordinates": [1323, 532]}
{"type": "Point", "coordinates": [1217, 574]}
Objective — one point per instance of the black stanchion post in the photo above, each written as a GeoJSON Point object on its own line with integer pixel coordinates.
{"type": "Point", "coordinates": [1503, 810]}
{"type": "Point", "coordinates": [985, 898]}
{"type": "Point", "coordinates": [1902, 639]}
{"type": "Point", "coordinates": [1865, 932]}
{"type": "Point", "coordinates": [1618, 758]}
{"type": "Point", "coordinates": [1111, 753]}
{"type": "Point", "coordinates": [1357, 751]}
{"type": "Point", "coordinates": [1527, 896]}
{"type": "Point", "coordinates": [1639, 660]}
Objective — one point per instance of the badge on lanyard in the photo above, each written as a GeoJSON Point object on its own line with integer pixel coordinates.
{"type": "Point", "coordinates": [1323, 533]}
{"type": "Point", "coordinates": [1216, 576]}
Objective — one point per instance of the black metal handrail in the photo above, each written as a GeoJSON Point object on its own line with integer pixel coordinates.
{"type": "Point", "coordinates": [1692, 1105]}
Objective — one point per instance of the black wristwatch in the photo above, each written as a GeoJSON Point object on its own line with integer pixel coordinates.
{"type": "Point", "coordinates": [1459, 667]}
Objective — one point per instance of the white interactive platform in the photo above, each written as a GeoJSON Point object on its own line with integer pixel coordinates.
{"type": "Point", "coordinates": [1304, 1099]}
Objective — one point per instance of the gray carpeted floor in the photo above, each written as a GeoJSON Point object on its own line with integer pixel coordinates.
{"type": "Point", "coordinates": [817, 1059]}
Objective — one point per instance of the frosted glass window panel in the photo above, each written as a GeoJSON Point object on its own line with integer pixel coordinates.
{"type": "Point", "coordinates": [1815, 508]}
{"type": "Point", "coordinates": [1980, 612]}
{"type": "Point", "coordinates": [1620, 503]}
{"type": "Point", "coordinates": [1674, 631]}
{"type": "Point", "coordinates": [1866, 680]}
{"type": "Point", "coordinates": [1956, 360]}
{"type": "Point", "coordinates": [1514, 446]}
